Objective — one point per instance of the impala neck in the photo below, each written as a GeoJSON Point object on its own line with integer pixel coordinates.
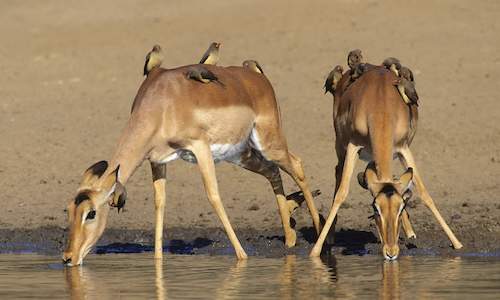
{"type": "Point", "coordinates": [132, 149]}
{"type": "Point", "coordinates": [382, 141]}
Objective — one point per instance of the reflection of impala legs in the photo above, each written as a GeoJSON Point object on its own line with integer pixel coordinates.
{"type": "Point", "coordinates": [426, 198]}
{"type": "Point", "coordinates": [207, 169]}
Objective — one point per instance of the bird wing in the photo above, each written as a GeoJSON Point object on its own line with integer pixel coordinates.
{"type": "Point", "coordinates": [411, 92]}
{"type": "Point", "coordinates": [207, 74]}
{"type": "Point", "coordinates": [259, 67]}
{"type": "Point", "coordinates": [205, 56]}
{"type": "Point", "coordinates": [329, 83]}
{"type": "Point", "coordinates": [146, 64]}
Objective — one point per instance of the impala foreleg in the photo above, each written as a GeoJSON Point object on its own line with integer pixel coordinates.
{"type": "Point", "coordinates": [159, 172]}
{"type": "Point", "coordinates": [426, 198]}
{"type": "Point", "coordinates": [340, 196]}
{"type": "Point", "coordinates": [207, 169]}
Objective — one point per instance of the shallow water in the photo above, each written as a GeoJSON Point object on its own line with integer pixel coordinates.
{"type": "Point", "coordinates": [137, 276]}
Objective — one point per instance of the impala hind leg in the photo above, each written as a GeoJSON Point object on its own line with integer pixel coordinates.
{"type": "Point", "coordinates": [254, 162]}
{"type": "Point", "coordinates": [207, 169]}
{"type": "Point", "coordinates": [293, 167]}
{"type": "Point", "coordinates": [340, 196]}
{"type": "Point", "coordinates": [426, 198]}
{"type": "Point", "coordinates": [159, 172]}
{"type": "Point", "coordinates": [299, 176]}
{"type": "Point", "coordinates": [407, 228]}
{"type": "Point", "coordinates": [269, 140]}
{"type": "Point", "coordinates": [405, 217]}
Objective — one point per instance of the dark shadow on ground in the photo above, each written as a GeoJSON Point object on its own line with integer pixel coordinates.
{"type": "Point", "coordinates": [173, 246]}
{"type": "Point", "coordinates": [353, 241]}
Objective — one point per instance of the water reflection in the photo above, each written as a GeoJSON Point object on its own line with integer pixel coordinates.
{"type": "Point", "coordinates": [390, 281]}
{"type": "Point", "coordinates": [290, 277]}
{"type": "Point", "coordinates": [160, 286]}
{"type": "Point", "coordinates": [78, 283]}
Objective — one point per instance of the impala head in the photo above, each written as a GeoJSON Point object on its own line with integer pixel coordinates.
{"type": "Point", "coordinates": [216, 45]}
{"type": "Point", "coordinates": [88, 210]}
{"type": "Point", "coordinates": [388, 204]}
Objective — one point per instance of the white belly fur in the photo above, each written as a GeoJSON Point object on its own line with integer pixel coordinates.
{"type": "Point", "coordinates": [220, 152]}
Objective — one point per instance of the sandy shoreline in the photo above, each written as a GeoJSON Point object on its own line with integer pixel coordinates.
{"type": "Point", "coordinates": [268, 243]}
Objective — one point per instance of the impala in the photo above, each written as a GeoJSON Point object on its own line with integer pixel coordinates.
{"type": "Point", "coordinates": [174, 117]}
{"type": "Point", "coordinates": [372, 120]}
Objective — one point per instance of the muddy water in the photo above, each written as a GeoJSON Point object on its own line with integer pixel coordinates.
{"type": "Point", "coordinates": [137, 276]}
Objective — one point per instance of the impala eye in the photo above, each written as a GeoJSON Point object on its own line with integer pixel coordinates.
{"type": "Point", "coordinates": [90, 215]}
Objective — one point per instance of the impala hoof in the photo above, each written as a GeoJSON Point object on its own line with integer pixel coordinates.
{"type": "Point", "coordinates": [241, 254]}
{"type": "Point", "coordinates": [316, 251]}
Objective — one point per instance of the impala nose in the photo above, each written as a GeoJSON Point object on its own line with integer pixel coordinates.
{"type": "Point", "coordinates": [390, 253]}
{"type": "Point", "coordinates": [66, 261]}
{"type": "Point", "coordinates": [390, 257]}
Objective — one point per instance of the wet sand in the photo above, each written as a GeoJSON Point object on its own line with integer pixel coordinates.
{"type": "Point", "coordinates": [70, 71]}
{"type": "Point", "coordinates": [267, 243]}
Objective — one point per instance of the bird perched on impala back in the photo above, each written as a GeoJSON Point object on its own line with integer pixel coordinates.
{"type": "Point", "coordinates": [392, 64]}
{"type": "Point", "coordinates": [406, 73]}
{"type": "Point", "coordinates": [253, 65]}
{"type": "Point", "coordinates": [211, 56]}
{"type": "Point", "coordinates": [407, 90]}
{"type": "Point", "coordinates": [153, 59]}
{"type": "Point", "coordinates": [333, 79]}
{"type": "Point", "coordinates": [201, 74]}
{"type": "Point", "coordinates": [354, 58]}
{"type": "Point", "coordinates": [359, 70]}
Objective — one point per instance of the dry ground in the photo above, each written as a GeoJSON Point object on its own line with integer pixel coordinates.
{"type": "Point", "coordinates": [70, 69]}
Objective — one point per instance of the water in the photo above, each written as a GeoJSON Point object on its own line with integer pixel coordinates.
{"type": "Point", "coordinates": [137, 276]}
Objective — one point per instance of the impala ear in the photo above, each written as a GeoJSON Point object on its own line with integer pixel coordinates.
{"type": "Point", "coordinates": [109, 183]}
{"type": "Point", "coordinates": [94, 172]}
{"type": "Point", "coordinates": [371, 180]}
{"type": "Point", "coordinates": [405, 181]}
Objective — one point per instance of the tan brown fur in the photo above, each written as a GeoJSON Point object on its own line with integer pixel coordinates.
{"type": "Point", "coordinates": [172, 115]}
{"type": "Point", "coordinates": [370, 117]}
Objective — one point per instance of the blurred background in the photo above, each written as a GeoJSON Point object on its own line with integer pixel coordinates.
{"type": "Point", "coordinates": [69, 71]}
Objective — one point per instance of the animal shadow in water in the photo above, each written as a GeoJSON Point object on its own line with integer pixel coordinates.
{"type": "Point", "coordinates": [174, 246]}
